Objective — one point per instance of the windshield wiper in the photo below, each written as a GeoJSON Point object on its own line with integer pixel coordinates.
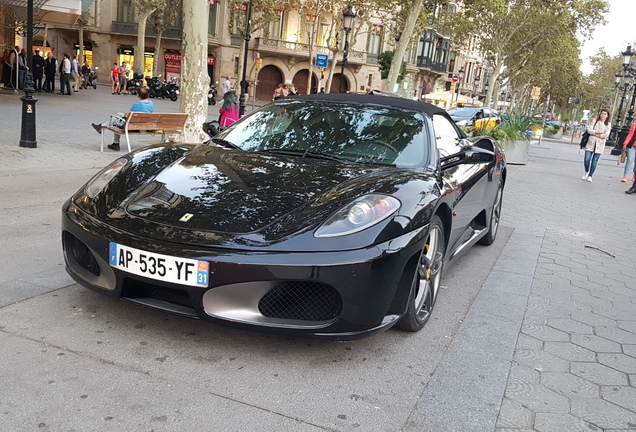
{"type": "Point", "coordinates": [306, 154]}
{"type": "Point", "coordinates": [225, 143]}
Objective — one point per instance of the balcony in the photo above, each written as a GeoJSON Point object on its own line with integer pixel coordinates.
{"type": "Point", "coordinates": [132, 28]}
{"type": "Point", "coordinates": [301, 49]}
{"type": "Point", "coordinates": [428, 63]}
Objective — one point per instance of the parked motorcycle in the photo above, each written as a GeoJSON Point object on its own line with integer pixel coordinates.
{"type": "Point", "coordinates": [212, 94]}
{"type": "Point", "coordinates": [162, 89]}
{"type": "Point", "coordinates": [90, 79]}
{"type": "Point", "coordinates": [133, 85]}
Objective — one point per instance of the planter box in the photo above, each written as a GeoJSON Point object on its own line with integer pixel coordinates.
{"type": "Point", "coordinates": [517, 152]}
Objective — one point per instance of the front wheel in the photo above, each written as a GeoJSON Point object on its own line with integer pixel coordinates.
{"type": "Point", "coordinates": [495, 215]}
{"type": "Point", "coordinates": [173, 97]}
{"type": "Point", "coordinates": [426, 281]}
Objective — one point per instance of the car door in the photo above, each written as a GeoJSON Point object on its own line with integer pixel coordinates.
{"type": "Point", "coordinates": [466, 183]}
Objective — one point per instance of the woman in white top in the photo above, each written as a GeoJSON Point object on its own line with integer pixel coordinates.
{"type": "Point", "coordinates": [599, 132]}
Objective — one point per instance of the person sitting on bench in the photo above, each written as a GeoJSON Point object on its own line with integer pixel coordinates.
{"type": "Point", "coordinates": [144, 105]}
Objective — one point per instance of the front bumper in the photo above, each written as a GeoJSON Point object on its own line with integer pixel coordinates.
{"type": "Point", "coordinates": [333, 295]}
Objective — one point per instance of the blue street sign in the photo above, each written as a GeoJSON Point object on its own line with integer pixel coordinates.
{"type": "Point", "coordinates": [321, 60]}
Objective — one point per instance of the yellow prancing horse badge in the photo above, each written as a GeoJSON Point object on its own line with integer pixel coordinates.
{"type": "Point", "coordinates": [186, 217]}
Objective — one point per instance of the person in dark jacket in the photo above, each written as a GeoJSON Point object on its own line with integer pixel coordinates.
{"type": "Point", "coordinates": [38, 70]}
{"type": "Point", "coordinates": [50, 69]}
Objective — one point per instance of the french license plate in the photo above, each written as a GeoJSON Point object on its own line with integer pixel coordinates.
{"type": "Point", "coordinates": [165, 268]}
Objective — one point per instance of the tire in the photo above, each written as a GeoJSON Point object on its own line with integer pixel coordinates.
{"type": "Point", "coordinates": [495, 217]}
{"type": "Point", "coordinates": [426, 281]}
{"type": "Point", "coordinates": [173, 97]}
{"type": "Point", "coordinates": [132, 90]}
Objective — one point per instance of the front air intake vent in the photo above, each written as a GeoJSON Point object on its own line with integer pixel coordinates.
{"type": "Point", "coordinates": [300, 300]}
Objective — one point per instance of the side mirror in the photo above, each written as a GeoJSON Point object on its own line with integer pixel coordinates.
{"type": "Point", "coordinates": [468, 156]}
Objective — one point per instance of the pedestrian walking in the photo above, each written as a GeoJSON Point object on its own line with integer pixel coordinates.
{"type": "Point", "coordinates": [599, 132]}
{"type": "Point", "coordinates": [38, 70]}
{"type": "Point", "coordinates": [6, 67]}
{"type": "Point", "coordinates": [227, 85]}
{"type": "Point", "coordinates": [630, 150]}
{"type": "Point", "coordinates": [114, 78]}
{"type": "Point", "coordinates": [65, 75]}
{"type": "Point", "coordinates": [75, 75]}
{"type": "Point", "coordinates": [50, 69]}
{"type": "Point", "coordinates": [229, 110]}
{"type": "Point", "coordinates": [119, 120]}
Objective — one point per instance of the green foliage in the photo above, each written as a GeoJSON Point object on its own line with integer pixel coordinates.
{"type": "Point", "coordinates": [384, 60]}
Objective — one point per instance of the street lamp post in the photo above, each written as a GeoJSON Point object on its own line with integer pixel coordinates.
{"type": "Point", "coordinates": [459, 83]}
{"type": "Point", "coordinates": [244, 84]}
{"type": "Point", "coordinates": [27, 131]}
{"type": "Point", "coordinates": [347, 24]}
{"type": "Point", "coordinates": [486, 86]}
{"type": "Point", "coordinates": [626, 77]}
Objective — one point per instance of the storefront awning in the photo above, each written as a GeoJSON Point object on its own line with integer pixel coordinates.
{"type": "Point", "coordinates": [55, 12]}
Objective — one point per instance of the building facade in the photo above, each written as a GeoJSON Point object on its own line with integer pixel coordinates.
{"type": "Point", "coordinates": [278, 52]}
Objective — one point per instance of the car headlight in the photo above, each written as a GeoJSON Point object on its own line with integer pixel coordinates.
{"type": "Point", "coordinates": [102, 178]}
{"type": "Point", "coordinates": [358, 215]}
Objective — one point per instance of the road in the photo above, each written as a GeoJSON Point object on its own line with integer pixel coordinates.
{"type": "Point", "coordinates": [514, 328]}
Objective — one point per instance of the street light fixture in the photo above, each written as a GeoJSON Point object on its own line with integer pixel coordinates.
{"type": "Point", "coordinates": [347, 24]}
{"type": "Point", "coordinates": [459, 82]}
{"type": "Point", "coordinates": [623, 82]}
{"type": "Point", "coordinates": [244, 83]}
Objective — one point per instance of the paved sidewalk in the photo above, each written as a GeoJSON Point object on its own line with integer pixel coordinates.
{"type": "Point", "coordinates": [548, 344]}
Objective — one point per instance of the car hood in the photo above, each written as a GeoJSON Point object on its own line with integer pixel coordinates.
{"type": "Point", "coordinates": [229, 191]}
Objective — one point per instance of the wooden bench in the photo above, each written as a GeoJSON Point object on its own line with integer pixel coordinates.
{"type": "Point", "coordinates": [139, 123]}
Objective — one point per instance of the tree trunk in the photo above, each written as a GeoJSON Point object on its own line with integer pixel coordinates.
{"type": "Point", "coordinates": [194, 73]}
{"type": "Point", "coordinates": [400, 49]}
{"type": "Point", "coordinates": [140, 61]}
{"type": "Point", "coordinates": [158, 63]}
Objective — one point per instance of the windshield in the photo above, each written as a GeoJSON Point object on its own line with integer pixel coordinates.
{"type": "Point", "coordinates": [462, 112]}
{"type": "Point", "coordinates": [350, 132]}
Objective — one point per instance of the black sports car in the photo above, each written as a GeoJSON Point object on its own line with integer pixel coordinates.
{"type": "Point", "coordinates": [315, 216]}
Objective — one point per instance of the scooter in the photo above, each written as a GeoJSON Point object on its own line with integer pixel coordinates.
{"type": "Point", "coordinates": [133, 85]}
{"type": "Point", "coordinates": [212, 94]}
{"type": "Point", "coordinates": [90, 79]}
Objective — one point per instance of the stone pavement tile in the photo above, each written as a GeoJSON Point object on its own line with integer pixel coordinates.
{"type": "Point", "coordinates": [544, 333]}
{"type": "Point", "coordinates": [629, 350]}
{"type": "Point", "coordinates": [569, 351]}
{"type": "Point", "coordinates": [623, 396]}
{"type": "Point", "coordinates": [514, 415]}
{"type": "Point", "coordinates": [615, 314]}
{"type": "Point", "coordinates": [549, 422]}
{"type": "Point", "coordinates": [615, 334]}
{"type": "Point", "coordinates": [596, 343]}
{"type": "Point", "coordinates": [528, 342]}
{"type": "Point", "coordinates": [569, 385]}
{"type": "Point", "coordinates": [520, 374]}
{"type": "Point", "coordinates": [630, 326]}
{"type": "Point", "coordinates": [537, 397]}
{"type": "Point", "coordinates": [598, 373]}
{"type": "Point", "coordinates": [586, 316]}
{"type": "Point", "coordinates": [620, 362]}
{"type": "Point", "coordinates": [541, 360]}
{"type": "Point", "coordinates": [570, 326]}
{"type": "Point", "coordinates": [603, 414]}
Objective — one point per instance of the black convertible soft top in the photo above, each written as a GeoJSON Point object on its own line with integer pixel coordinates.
{"type": "Point", "coordinates": [374, 99]}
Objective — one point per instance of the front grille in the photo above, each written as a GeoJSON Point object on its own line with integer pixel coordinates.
{"type": "Point", "coordinates": [134, 289]}
{"type": "Point", "coordinates": [81, 254]}
{"type": "Point", "coordinates": [299, 300]}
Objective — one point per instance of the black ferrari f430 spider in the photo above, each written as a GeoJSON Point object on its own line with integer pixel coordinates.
{"type": "Point", "coordinates": [322, 216]}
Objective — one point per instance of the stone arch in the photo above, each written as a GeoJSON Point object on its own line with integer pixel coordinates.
{"type": "Point", "coordinates": [268, 79]}
{"type": "Point", "coordinates": [300, 82]}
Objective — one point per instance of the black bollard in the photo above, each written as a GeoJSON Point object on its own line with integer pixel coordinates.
{"type": "Point", "coordinates": [27, 134]}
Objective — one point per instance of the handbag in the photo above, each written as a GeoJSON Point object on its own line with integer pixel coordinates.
{"type": "Point", "coordinates": [584, 139]}
{"type": "Point", "coordinates": [623, 157]}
